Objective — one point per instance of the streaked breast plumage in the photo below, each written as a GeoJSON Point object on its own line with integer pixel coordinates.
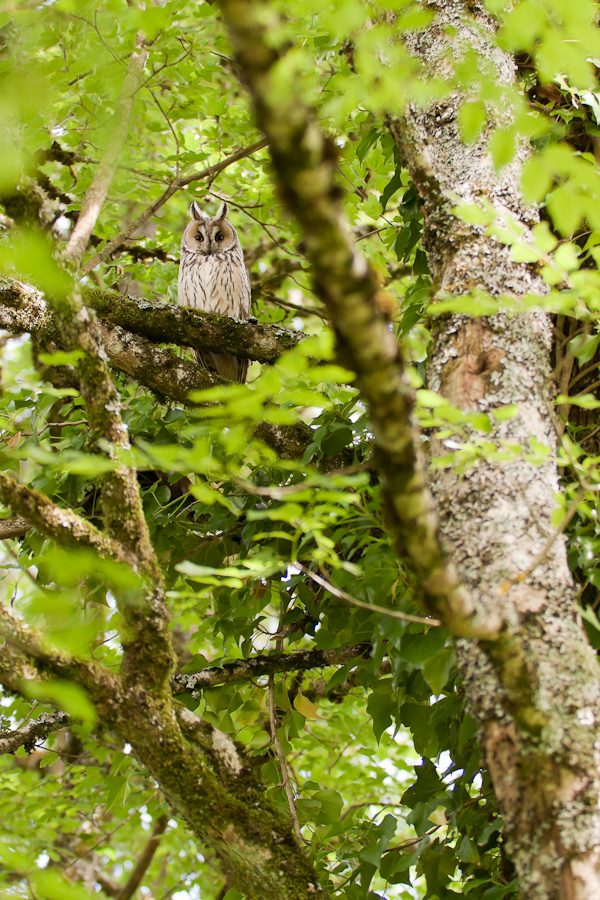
{"type": "Point", "coordinates": [214, 277]}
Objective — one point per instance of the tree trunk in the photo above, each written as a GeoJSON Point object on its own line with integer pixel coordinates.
{"type": "Point", "coordinates": [535, 691]}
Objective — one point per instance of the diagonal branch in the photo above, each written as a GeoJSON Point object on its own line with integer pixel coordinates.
{"type": "Point", "coordinates": [304, 163]}
{"type": "Point", "coordinates": [27, 657]}
{"type": "Point", "coordinates": [62, 525]}
{"type": "Point", "coordinates": [146, 857]}
{"type": "Point", "coordinates": [176, 185]}
{"type": "Point", "coordinates": [119, 126]}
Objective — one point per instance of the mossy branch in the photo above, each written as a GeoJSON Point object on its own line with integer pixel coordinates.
{"type": "Point", "coordinates": [304, 163]}
{"type": "Point", "coordinates": [157, 321]}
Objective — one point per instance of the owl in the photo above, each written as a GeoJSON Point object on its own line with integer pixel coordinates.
{"type": "Point", "coordinates": [213, 276]}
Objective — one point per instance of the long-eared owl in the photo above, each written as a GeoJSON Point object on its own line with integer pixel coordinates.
{"type": "Point", "coordinates": [214, 277]}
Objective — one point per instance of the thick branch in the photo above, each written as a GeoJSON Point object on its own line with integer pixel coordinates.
{"type": "Point", "coordinates": [11, 528]}
{"type": "Point", "coordinates": [62, 525]}
{"type": "Point", "coordinates": [304, 164]}
{"type": "Point", "coordinates": [175, 186]}
{"type": "Point", "coordinates": [186, 327]}
{"type": "Point", "coordinates": [23, 308]}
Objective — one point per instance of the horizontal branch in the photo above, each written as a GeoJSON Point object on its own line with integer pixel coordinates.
{"type": "Point", "coordinates": [186, 327]}
{"type": "Point", "coordinates": [156, 320]}
{"type": "Point", "coordinates": [24, 310]}
{"type": "Point", "coordinates": [269, 664]}
{"type": "Point", "coordinates": [35, 730]}
{"type": "Point", "coordinates": [15, 527]}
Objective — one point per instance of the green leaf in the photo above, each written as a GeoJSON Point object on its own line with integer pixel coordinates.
{"type": "Point", "coordinates": [467, 851]}
{"type": "Point", "coordinates": [331, 806]}
{"type": "Point", "coordinates": [339, 437]}
{"type": "Point", "coordinates": [381, 708]}
{"type": "Point", "coordinates": [51, 885]}
{"type": "Point", "coordinates": [70, 697]}
{"type": "Point", "coordinates": [390, 189]}
{"type": "Point", "coordinates": [586, 401]}
{"type": "Point", "coordinates": [472, 118]}
{"type": "Point", "coordinates": [584, 347]}
{"type": "Point", "coordinates": [417, 648]}
{"type": "Point", "coordinates": [436, 669]}
{"type": "Point", "coordinates": [503, 148]}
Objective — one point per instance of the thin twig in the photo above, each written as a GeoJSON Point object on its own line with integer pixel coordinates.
{"type": "Point", "coordinates": [282, 763]}
{"type": "Point", "coordinates": [106, 836]}
{"type": "Point", "coordinates": [342, 595]}
{"type": "Point", "coordinates": [175, 185]}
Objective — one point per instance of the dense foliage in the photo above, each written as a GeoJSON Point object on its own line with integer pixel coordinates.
{"type": "Point", "coordinates": [381, 752]}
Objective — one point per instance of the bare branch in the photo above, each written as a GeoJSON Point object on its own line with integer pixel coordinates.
{"type": "Point", "coordinates": [176, 185]}
{"type": "Point", "coordinates": [267, 664]}
{"type": "Point", "coordinates": [282, 763]}
{"type": "Point", "coordinates": [146, 857]}
{"type": "Point", "coordinates": [382, 610]}
{"type": "Point", "coordinates": [11, 528]}
{"type": "Point", "coordinates": [98, 189]}
{"type": "Point", "coordinates": [35, 730]}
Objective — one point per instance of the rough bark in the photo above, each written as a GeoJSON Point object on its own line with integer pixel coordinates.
{"type": "Point", "coordinates": [35, 730]}
{"type": "Point", "coordinates": [531, 678]}
{"type": "Point", "coordinates": [305, 167]}
{"type": "Point", "coordinates": [536, 692]}
{"type": "Point", "coordinates": [266, 664]}
{"type": "Point", "coordinates": [24, 308]}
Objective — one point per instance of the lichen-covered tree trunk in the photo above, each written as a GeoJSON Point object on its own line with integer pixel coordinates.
{"type": "Point", "coordinates": [535, 692]}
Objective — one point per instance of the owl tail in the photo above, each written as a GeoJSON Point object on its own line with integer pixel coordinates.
{"type": "Point", "coordinates": [224, 364]}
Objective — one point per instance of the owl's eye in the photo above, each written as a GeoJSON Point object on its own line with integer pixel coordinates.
{"type": "Point", "coordinates": [219, 237]}
{"type": "Point", "coordinates": [199, 237]}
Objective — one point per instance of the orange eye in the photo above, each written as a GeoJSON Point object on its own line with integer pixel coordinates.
{"type": "Point", "coordinates": [199, 237]}
{"type": "Point", "coordinates": [219, 237]}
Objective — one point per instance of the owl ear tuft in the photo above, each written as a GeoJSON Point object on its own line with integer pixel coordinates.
{"type": "Point", "coordinates": [196, 212]}
{"type": "Point", "coordinates": [222, 211]}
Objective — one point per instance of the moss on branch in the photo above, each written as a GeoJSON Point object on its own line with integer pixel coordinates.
{"type": "Point", "coordinates": [162, 322]}
{"type": "Point", "coordinates": [305, 169]}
